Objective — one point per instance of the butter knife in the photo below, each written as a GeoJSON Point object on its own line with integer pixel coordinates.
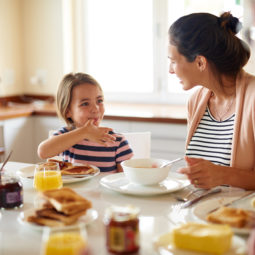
{"type": "Point", "coordinates": [245, 195]}
{"type": "Point", "coordinates": [206, 194]}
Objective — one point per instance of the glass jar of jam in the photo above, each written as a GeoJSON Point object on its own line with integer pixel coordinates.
{"type": "Point", "coordinates": [122, 229]}
{"type": "Point", "coordinates": [11, 191]}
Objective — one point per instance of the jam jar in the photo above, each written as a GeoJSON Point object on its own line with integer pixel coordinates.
{"type": "Point", "coordinates": [11, 191]}
{"type": "Point", "coordinates": [122, 229]}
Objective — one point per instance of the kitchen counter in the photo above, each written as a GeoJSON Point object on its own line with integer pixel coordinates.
{"type": "Point", "coordinates": [114, 111]}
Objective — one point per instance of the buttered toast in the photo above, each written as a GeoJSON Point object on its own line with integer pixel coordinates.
{"type": "Point", "coordinates": [62, 207]}
{"type": "Point", "coordinates": [66, 200]}
{"type": "Point", "coordinates": [235, 217]}
{"type": "Point", "coordinates": [45, 221]}
{"type": "Point", "coordinates": [68, 168]}
{"type": "Point", "coordinates": [51, 213]}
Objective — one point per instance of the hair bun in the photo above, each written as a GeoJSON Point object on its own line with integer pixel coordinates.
{"type": "Point", "coordinates": [230, 23]}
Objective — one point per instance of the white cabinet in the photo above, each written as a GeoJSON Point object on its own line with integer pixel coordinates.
{"type": "Point", "coordinates": [167, 140]}
{"type": "Point", "coordinates": [19, 137]}
{"type": "Point", "coordinates": [42, 126]}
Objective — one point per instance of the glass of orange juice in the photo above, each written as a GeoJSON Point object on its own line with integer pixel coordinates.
{"type": "Point", "coordinates": [47, 176]}
{"type": "Point", "coordinates": [70, 240]}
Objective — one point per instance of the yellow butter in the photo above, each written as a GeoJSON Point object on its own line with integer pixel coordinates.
{"type": "Point", "coordinates": [208, 238]}
{"type": "Point", "coordinates": [253, 202]}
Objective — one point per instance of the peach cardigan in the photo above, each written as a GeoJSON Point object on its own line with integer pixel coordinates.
{"type": "Point", "coordinates": [243, 146]}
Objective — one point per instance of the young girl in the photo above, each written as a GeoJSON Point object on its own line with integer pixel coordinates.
{"type": "Point", "coordinates": [80, 103]}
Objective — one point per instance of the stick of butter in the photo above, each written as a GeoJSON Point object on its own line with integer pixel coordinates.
{"type": "Point", "coordinates": [208, 238]}
{"type": "Point", "coordinates": [253, 202]}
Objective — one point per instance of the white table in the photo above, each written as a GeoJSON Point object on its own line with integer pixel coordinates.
{"type": "Point", "coordinates": [155, 217]}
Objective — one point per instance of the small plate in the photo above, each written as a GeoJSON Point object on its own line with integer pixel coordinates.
{"type": "Point", "coordinates": [90, 216]}
{"type": "Point", "coordinates": [118, 182]}
{"type": "Point", "coordinates": [164, 246]}
{"type": "Point", "coordinates": [201, 210]}
{"type": "Point", "coordinates": [25, 172]}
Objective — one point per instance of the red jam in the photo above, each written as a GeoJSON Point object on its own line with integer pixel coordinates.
{"type": "Point", "coordinates": [11, 192]}
{"type": "Point", "coordinates": [122, 229]}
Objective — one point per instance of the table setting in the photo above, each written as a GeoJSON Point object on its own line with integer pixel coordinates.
{"type": "Point", "coordinates": [161, 211]}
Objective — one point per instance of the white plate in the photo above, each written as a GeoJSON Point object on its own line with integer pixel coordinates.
{"type": "Point", "coordinates": [164, 247]}
{"type": "Point", "coordinates": [24, 172]}
{"type": "Point", "coordinates": [90, 216]}
{"type": "Point", "coordinates": [201, 210]}
{"type": "Point", "coordinates": [118, 182]}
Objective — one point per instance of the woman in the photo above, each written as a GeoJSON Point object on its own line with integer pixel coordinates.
{"type": "Point", "coordinates": [204, 50]}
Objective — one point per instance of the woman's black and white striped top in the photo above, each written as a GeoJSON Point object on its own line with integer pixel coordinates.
{"type": "Point", "coordinates": [212, 140]}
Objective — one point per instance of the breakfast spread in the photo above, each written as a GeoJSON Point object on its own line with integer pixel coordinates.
{"type": "Point", "coordinates": [235, 217]}
{"type": "Point", "coordinates": [62, 207]}
{"type": "Point", "coordinates": [207, 238]}
{"type": "Point", "coordinates": [68, 168]}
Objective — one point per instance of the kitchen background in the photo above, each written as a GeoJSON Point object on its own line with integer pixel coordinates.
{"type": "Point", "coordinates": [41, 40]}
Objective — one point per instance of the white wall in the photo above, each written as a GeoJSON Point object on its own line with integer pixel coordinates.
{"type": "Point", "coordinates": [31, 44]}
{"type": "Point", "coordinates": [42, 44]}
{"type": "Point", "coordinates": [11, 45]}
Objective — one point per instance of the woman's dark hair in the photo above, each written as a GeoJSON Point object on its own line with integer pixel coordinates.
{"type": "Point", "coordinates": [212, 37]}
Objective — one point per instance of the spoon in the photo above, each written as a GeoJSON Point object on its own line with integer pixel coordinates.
{"type": "Point", "coordinates": [170, 162]}
{"type": "Point", "coordinates": [5, 161]}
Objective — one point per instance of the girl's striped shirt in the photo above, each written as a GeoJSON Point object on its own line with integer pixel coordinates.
{"type": "Point", "coordinates": [104, 157]}
{"type": "Point", "coordinates": [212, 140]}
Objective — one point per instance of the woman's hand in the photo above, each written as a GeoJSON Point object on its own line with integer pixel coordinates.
{"type": "Point", "coordinates": [98, 134]}
{"type": "Point", "coordinates": [202, 173]}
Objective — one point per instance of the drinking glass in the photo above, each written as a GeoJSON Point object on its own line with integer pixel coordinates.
{"type": "Point", "coordinates": [70, 240]}
{"type": "Point", "coordinates": [47, 176]}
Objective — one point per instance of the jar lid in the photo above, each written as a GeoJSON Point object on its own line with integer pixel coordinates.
{"type": "Point", "coordinates": [122, 213]}
{"type": "Point", "coordinates": [8, 178]}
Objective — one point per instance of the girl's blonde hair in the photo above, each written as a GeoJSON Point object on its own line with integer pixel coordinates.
{"type": "Point", "coordinates": [64, 93]}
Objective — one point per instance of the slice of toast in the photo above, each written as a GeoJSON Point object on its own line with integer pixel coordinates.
{"type": "Point", "coordinates": [235, 217]}
{"type": "Point", "coordinates": [78, 170]}
{"type": "Point", "coordinates": [45, 221]}
{"type": "Point", "coordinates": [51, 213]}
{"type": "Point", "coordinates": [62, 164]}
{"type": "Point", "coordinates": [68, 168]}
{"type": "Point", "coordinates": [67, 201]}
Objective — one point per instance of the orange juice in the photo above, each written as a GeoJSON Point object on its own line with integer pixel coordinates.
{"type": "Point", "coordinates": [46, 180]}
{"type": "Point", "coordinates": [69, 243]}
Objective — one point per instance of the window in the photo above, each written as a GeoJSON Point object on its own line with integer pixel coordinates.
{"type": "Point", "coordinates": [125, 42]}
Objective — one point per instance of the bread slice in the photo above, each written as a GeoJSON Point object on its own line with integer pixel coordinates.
{"type": "Point", "coordinates": [62, 164]}
{"type": "Point", "coordinates": [78, 170]}
{"type": "Point", "coordinates": [68, 168]}
{"type": "Point", "coordinates": [67, 201]}
{"type": "Point", "coordinates": [53, 214]}
{"type": "Point", "coordinates": [45, 221]}
{"type": "Point", "coordinates": [234, 217]}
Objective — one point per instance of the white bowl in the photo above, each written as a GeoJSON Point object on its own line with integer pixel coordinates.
{"type": "Point", "coordinates": [145, 171]}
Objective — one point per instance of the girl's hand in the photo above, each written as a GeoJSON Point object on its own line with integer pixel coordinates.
{"type": "Point", "coordinates": [99, 134]}
{"type": "Point", "coordinates": [202, 173]}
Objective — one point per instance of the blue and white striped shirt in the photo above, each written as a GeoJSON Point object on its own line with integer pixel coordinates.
{"type": "Point", "coordinates": [212, 140]}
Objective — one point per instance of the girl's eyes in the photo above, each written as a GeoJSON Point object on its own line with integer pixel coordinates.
{"type": "Point", "coordinates": [85, 104]}
{"type": "Point", "coordinates": [99, 101]}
